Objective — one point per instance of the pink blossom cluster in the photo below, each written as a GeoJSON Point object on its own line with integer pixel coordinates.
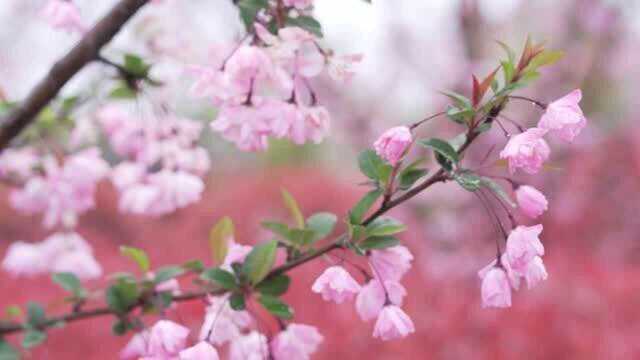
{"type": "Point", "coordinates": [381, 297]}
{"type": "Point", "coordinates": [263, 90]}
{"type": "Point", "coordinates": [60, 252]}
{"type": "Point", "coordinates": [522, 260]}
{"type": "Point", "coordinates": [60, 191]}
{"type": "Point", "coordinates": [528, 150]}
{"type": "Point", "coordinates": [223, 325]}
{"type": "Point", "coordinates": [162, 165]}
{"type": "Point", "coordinates": [63, 14]}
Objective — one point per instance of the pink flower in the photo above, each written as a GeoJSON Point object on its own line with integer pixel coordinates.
{"type": "Point", "coordinates": [535, 272]}
{"type": "Point", "coordinates": [235, 254]}
{"type": "Point", "coordinates": [526, 151]}
{"type": "Point", "coordinates": [176, 189]}
{"type": "Point", "coordinates": [523, 245]}
{"type": "Point", "coordinates": [390, 264]}
{"type": "Point", "coordinates": [63, 14]}
{"type": "Point", "coordinates": [80, 263]}
{"type": "Point", "coordinates": [495, 289]}
{"type": "Point", "coordinates": [336, 284]}
{"type": "Point", "coordinates": [126, 174]}
{"type": "Point", "coordinates": [340, 68]}
{"type": "Point", "coordinates": [166, 338]}
{"type": "Point", "coordinates": [312, 125]}
{"type": "Point", "coordinates": [243, 126]}
{"type": "Point", "coordinates": [24, 259]}
{"type": "Point", "coordinates": [393, 144]}
{"type": "Point", "coordinates": [298, 4]}
{"type": "Point", "coordinates": [531, 201]}
{"type": "Point", "coordinates": [221, 323]}
{"type": "Point", "coordinates": [298, 342]}
{"type": "Point", "coordinates": [136, 347]}
{"type": "Point", "coordinates": [138, 199]}
{"type": "Point", "coordinates": [372, 298]}
{"type": "Point", "coordinates": [252, 346]}
{"type": "Point", "coordinates": [393, 323]}
{"type": "Point", "coordinates": [19, 163]}
{"type": "Point", "coordinates": [201, 351]}
{"type": "Point", "coordinates": [564, 116]}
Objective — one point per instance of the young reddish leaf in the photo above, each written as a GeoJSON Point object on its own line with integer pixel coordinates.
{"type": "Point", "coordinates": [480, 88]}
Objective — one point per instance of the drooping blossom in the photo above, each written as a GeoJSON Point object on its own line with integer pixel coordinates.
{"type": "Point", "coordinates": [523, 244]}
{"type": "Point", "coordinates": [63, 14]}
{"type": "Point", "coordinates": [393, 323]}
{"type": "Point", "coordinates": [564, 116]}
{"type": "Point", "coordinates": [24, 259]}
{"type": "Point", "coordinates": [336, 284]}
{"type": "Point", "coordinates": [298, 341]}
{"type": "Point", "coordinates": [243, 126]}
{"type": "Point", "coordinates": [166, 338]}
{"type": "Point", "coordinates": [531, 201]}
{"type": "Point", "coordinates": [201, 351]}
{"type": "Point", "coordinates": [372, 298]}
{"type": "Point", "coordinates": [393, 143]}
{"type": "Point", "coordinates": [221, 323]}
{"type": "Point", "coordinates": [535, 272]}
{"type": "Point", "coordinates": [390, 264]}
{"type": "Point", "coordinates": [496, 288]}
{"type": "Point", "coordinates": [252, 346]}
{"type": "Point", "coordinates": [526, 151]}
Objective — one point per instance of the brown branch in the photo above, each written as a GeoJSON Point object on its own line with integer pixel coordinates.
{"type": "Point", "coordinates": [84, 52]}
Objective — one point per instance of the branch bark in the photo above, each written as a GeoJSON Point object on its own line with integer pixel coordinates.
{"type": "Point", "coordinates": [84, 52]}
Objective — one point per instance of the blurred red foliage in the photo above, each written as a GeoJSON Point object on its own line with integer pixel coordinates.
{"type": "Point", "coordinates": [587, 309]}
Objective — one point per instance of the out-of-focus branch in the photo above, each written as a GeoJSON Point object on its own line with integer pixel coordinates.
{"type": "Point", "coordinates": [84, 52]}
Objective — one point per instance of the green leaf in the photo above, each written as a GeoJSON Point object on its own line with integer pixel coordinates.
{"type": "Point", "coordinates": [122, 295]}
{"type": "Point", "coordinates": [356, 232]}
{"type": "Point", "coordinates": [461, 116]}
{"type": "Point", "coordinates": [276, 306]}
{"type": "Point", "coordinates": [306, 22]}
{"type": "Point", "coordinates": [135, 65]}
{"type": "Point", "coordinates": [384, 226]}
{"type": "Point", "coordinates": [7, 352]}
{"type": "Point", "coordinates": [378, 242]}
{"type": "Point", "coordinates": [372, 166]}
{"type": "Point", "coordinates": [35, 314]}
{"type": "Point", "coordinates": [13, 311]}
{"type": "Point", "coordinates": [259, 261]}
{"type": "Point", "coordinates": [222, 277]}
{"type": "Point", "coordinates": [167, 273]}
{"type": "Point", "coordinates": [219, 237]}
{"type": "Point", "coordinates": [461, 101]}
{"type": "Point", "coordinates": [122, 92]}
{"type": "Point", "coordinates": [119, 327]}
{"type": "Point", "coordinates": [275, 286]}
{"type": "Point", "coordinates": [277, 228]}
{"type": "Point", "coordinates": [249, 9]}
{"type": "Point", "coordinates": [237, 301]}
{"type": "Point", "coordinates": [511, 55]}
{"type": "Point", "coordinates": [447, 153]}
{"type": "Point", "coordinates": [69, 282]}
{"type": "Point", "coordinates": [410, 174]}
{"type": "Point", "coordinates": [322, 224]}
{"type": "Point", "coordinates": [137, 255]}
{"type": "Point", "coordinates": [468, 180]}
{"type": "Point", "coordinates": [33, 338]}
{"type": "Point", "coordinates": [195, 266]}
{"type": "Point", "coordinates": [361, 208]}
{"type": "Point", "coordinates": [292, 205]}
{"type": "Point", "coordinates": [545, 58]}
{"type": "Point", "coordinates": [498, 190]}
{"type": "Point", "coordinates": [301, 237]}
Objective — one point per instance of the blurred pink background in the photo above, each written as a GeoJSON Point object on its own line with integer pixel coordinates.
{"type": "Point", "coordinates": [589, 306]}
